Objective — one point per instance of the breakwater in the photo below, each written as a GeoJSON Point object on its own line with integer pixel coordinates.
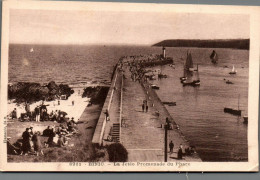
{"type": "Point", "coordinates": [141, 132]}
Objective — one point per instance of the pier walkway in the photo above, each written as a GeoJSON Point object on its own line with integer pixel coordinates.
{"type": "Point", "coordinates": [141, 133]}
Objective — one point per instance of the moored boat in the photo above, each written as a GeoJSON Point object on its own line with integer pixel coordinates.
{"type": "Point", "coordinates": [183, 78]}
{"type": "Point", "coordinates": [236, 112]}
{"type": "Point", "coordinates": [229, 82]}
{"type": "Point", "coordinates": [214, 57]}
{"type": "Point", "coordinates": [193, 82]}
{"type": "Point", "coordinates": [187, 68]}
{"type": "Point", "coordinates": [245, 119]}
{"type": "Point", "coordinates": [162, 75]}
{"type": "Point", "coordinates": [233, 71]}
{"type": "Point", "coordinates": [155, 86]}
{"type": "Point", "coordinates": [232, 111]}
{"type": "Point", "coordinates": [169, 103]}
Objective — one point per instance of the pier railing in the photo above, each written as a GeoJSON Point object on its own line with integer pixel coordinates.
{"type": "Point", "coordinates": [121, 103]}
{"type": "Point", "coordinates": [101, 124]}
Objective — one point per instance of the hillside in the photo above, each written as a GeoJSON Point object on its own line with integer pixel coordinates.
{"type": "Point", "coordinates": [219, 43]}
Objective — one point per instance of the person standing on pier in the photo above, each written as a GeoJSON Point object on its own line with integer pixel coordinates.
{"type": "Point", "coordinates": [107, 115]}
{"type": "Point", "coordinates": [171, 145]}
{"type": "Point", "coordinates": [180, 152]}
{"type": "Point", "coordinates": [143, 107]}
{"type": "Point", "coordinates": [146, 108]}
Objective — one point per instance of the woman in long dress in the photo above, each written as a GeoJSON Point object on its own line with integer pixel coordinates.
{"type": "Point", "coordinates": [37, 143]}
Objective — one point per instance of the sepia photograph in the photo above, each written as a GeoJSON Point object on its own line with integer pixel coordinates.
{"type": "Point", "coordinates": [91, 86]}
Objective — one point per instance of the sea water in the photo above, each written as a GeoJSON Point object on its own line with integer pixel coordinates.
{"type": "Point", "coordinates": [218, 136]}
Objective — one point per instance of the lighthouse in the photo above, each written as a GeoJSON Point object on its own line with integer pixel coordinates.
{"type": "Point", "coordinates": [164, 52]}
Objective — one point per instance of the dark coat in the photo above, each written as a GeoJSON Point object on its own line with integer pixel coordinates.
{"type": "Point", "coordinates": [180, 153]}
{"type": "Point", "coordinates": [171, 145]}
{"type": "Point", "coordinates": [36, 142]}
{"type": "Point", "coordinates": [26, 141]}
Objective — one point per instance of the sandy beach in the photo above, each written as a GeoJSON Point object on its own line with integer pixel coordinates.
{"type": "Point", "coordinates": [74, 111]}
{"type": "Point", "coordinates": [87, 116]}
{"type": "Point", "coordinates": [65, 105]}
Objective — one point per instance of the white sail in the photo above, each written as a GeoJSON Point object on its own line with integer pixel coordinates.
{"type": "Point", "coordinates": [233, 69]}
{"type": "Point", "coordinates": [31, 50]}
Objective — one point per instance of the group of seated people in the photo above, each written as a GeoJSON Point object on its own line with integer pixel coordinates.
{"type": "Point", "coordinates": [190, 150]}
{"type": "Point", "coordinates": [57, 115]}
{"type": "Point", "coordinates": [40, 113]}
{"type": "Point", "coordinates": [60, 134]}
{"type": "Point", "coordinates": [31, 142]}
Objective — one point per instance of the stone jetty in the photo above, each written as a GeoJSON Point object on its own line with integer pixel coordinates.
{"type": "Point", "coordinates": [123, 120]}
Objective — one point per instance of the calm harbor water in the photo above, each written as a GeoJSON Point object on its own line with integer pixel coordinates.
{"type": "Point", "coordinates": [199, 112]}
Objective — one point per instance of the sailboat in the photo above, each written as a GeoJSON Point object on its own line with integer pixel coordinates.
{"type": "Point", "coordinates": [31, 50]}
{"type": "Point", "coordinates": [214, 57]}
{"type": "Point", "coordinates": [234, 111]}
{"type": "Point", "coordinates": [188, 68]}
{"type": "Point", "coordinates": [189, 63]}
{"type": "Point", "coordinates": [193, 81]}
{"type": "Point", "coordinates": [233, 71]}
{"type": "Point", "coordinates": [184, 77]}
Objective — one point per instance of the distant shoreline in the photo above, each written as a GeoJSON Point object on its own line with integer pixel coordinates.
{"type": "Point", "coordinates": [199, 43]}
{"type": "Point", "coordinates": [210, 43]}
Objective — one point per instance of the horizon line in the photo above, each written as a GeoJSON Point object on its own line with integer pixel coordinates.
{"type": "Point", "coordinates": [119, 44]}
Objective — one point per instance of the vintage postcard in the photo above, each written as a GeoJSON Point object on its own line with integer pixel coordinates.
{"type": "Point", "coordinates": [91, 86]}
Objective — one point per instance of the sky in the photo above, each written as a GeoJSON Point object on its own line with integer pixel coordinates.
{"type": "Point", "coordinates": [139, 28]}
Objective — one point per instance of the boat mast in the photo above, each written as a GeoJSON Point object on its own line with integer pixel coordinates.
{"type": "Point", "coordinates": [238, 102]}
{"type": "Point", "coordinates": [184, 65]}
{"type": "Point", "coordinates": [198, 76]}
